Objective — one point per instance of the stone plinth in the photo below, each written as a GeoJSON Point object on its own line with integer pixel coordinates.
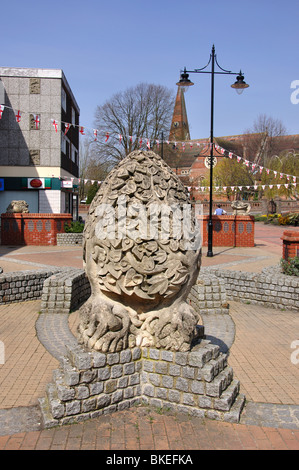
{"type": "Point", "coordinates": [32, 229]}
{"type": "Point", "coordinates": [89, 384]}
{"type": "Point", "coordinates": [290, 241]}
{"type": "Point", "coordinates": [229, 230]}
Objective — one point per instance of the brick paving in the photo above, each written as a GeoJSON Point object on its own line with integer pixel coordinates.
{"type": "Point", "coordinates": [143, 429]}
{"type": "Point", "coordinates": [261, 353]}
{"type": "Point", "coordinates": [260, 341]}
{"type": "Point", "coordinates": [28, 365]}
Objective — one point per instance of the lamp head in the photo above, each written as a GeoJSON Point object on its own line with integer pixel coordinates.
{"type": "Point", "coordinates": [240, 85]}
{"type": "Point", "coordinates": [184, 82]}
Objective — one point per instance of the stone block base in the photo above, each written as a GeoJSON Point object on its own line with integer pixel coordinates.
{"type": "Point", "coordinates": [89, 384]}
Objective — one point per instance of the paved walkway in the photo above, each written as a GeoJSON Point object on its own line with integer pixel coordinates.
{"type": "Point", "coordinates": [266, 252]}
{"type": "Point", "coordinates": [260, 354]}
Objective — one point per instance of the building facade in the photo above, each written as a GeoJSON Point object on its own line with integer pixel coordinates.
{"type": "Point", "coordinates": [39, 140]}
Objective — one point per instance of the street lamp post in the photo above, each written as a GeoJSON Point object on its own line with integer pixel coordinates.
{"type": "Point", "coordinates": [239, 86]}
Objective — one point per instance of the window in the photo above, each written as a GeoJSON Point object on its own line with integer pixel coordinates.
{"type": "Point", "coordinates": [63, 99]}
{"type": "Point", "coordinates": [63, 143]}
{"type": "Point", "coordinates": [73, 116]}
{"type": "Point", "coordinates": [2, 94]}
{"type": "Point", "coordinates": [74, 155]}
{"type": "Point", "coordinates": [34, 85]}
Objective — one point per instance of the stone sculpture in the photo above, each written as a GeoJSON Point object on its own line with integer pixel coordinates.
{"type": "Point", "coordinates": [18, 207]}
{"type": "Point", "coordinates": [240, 207]}
{"type": "Point", "coordinates": [141, 253]}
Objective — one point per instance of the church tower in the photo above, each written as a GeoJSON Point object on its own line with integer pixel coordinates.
{"type": "Point", "coordinates": [179, 130]}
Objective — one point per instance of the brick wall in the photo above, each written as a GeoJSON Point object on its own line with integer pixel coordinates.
{"type": "Point", "coordinates": [229, 230]}
{"type": "Point", "coordinates": [32, 229]}
{"type": "Point", "coordinates": [290, 247]}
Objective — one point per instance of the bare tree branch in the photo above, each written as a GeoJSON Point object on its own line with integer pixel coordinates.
{"type": "Point", "coordinates": [137, 114]}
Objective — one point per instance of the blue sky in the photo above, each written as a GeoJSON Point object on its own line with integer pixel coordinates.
{"type": "Point", "coordinates": [105, 47]}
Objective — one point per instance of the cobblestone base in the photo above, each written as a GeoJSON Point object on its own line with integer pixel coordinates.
{"type": "Point", "coordinates": [89, 384]}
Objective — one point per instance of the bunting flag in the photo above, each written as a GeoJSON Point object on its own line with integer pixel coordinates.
{"type": "Point", "coordinates": [106, 135]}
{"type": "Point", "coordinates": [18, 116]}
{"type": "Point", "coordinates": [36, 120]}
{"type": "Point", "coordinates": [55, 125]}
{"type": "Point", "coordinates": [241, 188]}
{"type": "Point", "coordinates": [67, 127]}
{"type": "Point", "coordinates": [254, 166]}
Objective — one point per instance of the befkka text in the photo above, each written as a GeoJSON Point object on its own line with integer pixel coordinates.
{"type": "Point", "coordinates": [164, 459]}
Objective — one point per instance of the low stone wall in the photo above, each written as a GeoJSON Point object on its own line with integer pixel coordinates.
{"type": "Point", "coordinates": [89, 384]}
{"type": "Point", "coordinates": [208, 295]}
{"type": "Point", "coordinates": [65, 291]}
{"type": "Point", "coordinates": [271, 288]}
{"type": "Point", "coordinates": [22, 285]}
{"type": "Point", "coordinates": [69, 239]}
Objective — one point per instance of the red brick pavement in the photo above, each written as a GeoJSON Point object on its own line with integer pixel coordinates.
{"type": "Point", "coordinates": [141, 429]}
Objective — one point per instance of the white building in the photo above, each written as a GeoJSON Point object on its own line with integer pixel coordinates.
{"type": "Point", "coordinates": [35, 142]}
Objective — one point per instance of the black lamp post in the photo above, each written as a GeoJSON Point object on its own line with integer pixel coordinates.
{"type": "Point", "coordinates": [239, 86]}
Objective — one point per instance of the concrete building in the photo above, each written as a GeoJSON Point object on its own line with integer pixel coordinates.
{"type": "Point", "coordinates": [39, 151]}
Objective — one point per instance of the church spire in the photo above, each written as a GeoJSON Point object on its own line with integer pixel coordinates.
{"type": "Point", "coordinates": [179, 127]}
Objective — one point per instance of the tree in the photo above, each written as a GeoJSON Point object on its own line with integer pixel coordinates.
{"type": "Point", "coordinates": [92, 166]}
{"type": "Point", "coordinates": [130, 118]}
{"type": "Point", "coordinates": [264, 139]}
{"type": "Point", "coordinates": [286, 166]}
{"type": "Point", "coordinates": [230, 173]}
